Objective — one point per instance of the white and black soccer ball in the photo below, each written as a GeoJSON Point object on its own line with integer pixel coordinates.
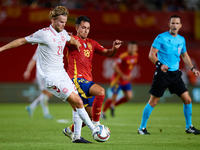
{"type": "Point", "coordinates": [101, 133]}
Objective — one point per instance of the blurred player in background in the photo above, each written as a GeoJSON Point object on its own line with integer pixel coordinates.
{"type": "Point", "coordinates": [165, 53]}
{"type": "Point", "coordinates": [51, 43]}
{"type": "Point", "coordinates": [79, 67]}
{"type": "Point", "coordinates": [121, 78]}
{"type": "Point", "coordinates": [45, 95]}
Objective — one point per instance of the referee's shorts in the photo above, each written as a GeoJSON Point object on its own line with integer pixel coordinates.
{"type": "Point", "coordinates": [171, 80]}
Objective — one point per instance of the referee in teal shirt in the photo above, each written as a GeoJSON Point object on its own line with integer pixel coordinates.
{"type": "Point", "coordinates": [165, 54]}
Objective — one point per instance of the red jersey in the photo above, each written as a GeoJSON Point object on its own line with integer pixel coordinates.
{"type": "Point", "coordinates": [126, 62]}
{"type": "Point", "coordinates": [79, 64]}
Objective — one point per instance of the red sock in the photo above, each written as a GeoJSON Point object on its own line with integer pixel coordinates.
{"type": "Point", "coordinates": [72, 126]}
{"type": "Point", "coordinates": [83, 124]}
{"type": "Point", "coordinates": [107, 104]}
{"type": "Point", "coordinates": [96, 107]}
{"type": "Point", "coordinates": [122, 100]}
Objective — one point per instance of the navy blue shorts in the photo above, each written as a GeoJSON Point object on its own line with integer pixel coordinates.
{"type": "Point", "coordinates": [115, 89]}
{"type": "Point", "coordinates": [83, 87]}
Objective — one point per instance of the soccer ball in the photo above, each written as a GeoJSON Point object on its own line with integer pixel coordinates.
{"type": "Point", "coordinates": [101, 133]}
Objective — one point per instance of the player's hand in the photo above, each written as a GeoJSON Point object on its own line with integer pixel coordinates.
{"type": "Point", "coordinates": [75, 42]}
{"type": "Point", "coordinates": [164, 68]}
{"type": "Point", "coordinates": [196, 72]}
{"type": "Point", "coordinates": [26, 75]}
{"type": "Point", "coordinates": [117, 44]}
{"type": "Point", "coordinates": [78, 45]}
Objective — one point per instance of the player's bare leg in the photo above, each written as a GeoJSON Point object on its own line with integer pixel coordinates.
{"type": "Point", "coordinates": [128, 95]}
{"type": "Point", "coordinates": [112, 105]}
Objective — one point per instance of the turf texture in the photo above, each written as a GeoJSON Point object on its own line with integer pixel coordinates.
{"type": "Point", "coordinates": [166, 124]}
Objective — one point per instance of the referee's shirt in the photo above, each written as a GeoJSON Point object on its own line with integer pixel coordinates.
{"type": "Point", "coordinates": [169, 49]}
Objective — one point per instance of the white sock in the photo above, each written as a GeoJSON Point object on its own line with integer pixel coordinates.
{"type": "Point", "coordinates": [77, 125]}
{"type": "Point", "coordinates": [34, 104]}
{"type": "Point", "coordinates": [85, 118]}
{"type": "Point", "coordinates": [44, 103]}
{"type": "Point", "coordinates": [96, 123]}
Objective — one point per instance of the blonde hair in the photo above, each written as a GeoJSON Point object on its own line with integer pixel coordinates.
{"type": "Point", "coordinates": [57, 11]}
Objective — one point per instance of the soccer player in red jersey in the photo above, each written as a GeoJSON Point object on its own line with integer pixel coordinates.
{"type": "Point", "coordinates": [79, 65]}
{"type": "Point", "coordinates": [121, 77]}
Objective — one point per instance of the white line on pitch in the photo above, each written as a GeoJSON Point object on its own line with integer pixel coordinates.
{"type": "Point", "coordinates": [63, 121]}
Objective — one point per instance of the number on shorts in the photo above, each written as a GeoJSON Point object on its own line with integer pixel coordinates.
{"type": "Point", "coordinates": [57, 89]}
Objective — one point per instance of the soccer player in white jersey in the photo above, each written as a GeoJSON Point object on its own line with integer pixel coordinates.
{"type": "Point", "coordinates": [51, 42]}
{"type": "Point", "coordinates": [44, 96]}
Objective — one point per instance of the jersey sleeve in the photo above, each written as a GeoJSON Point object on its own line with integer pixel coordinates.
{"type": "Point", "coordinates": [68, 37]}
{"type": "Point", "coordinates": [136, 58]}
{"type": "Point", "coordinates": [157, 42]}
{"type": "Point", "coordinates": [184, 46]}
{"type": "Point", "coordinates": [121, 57]}
{"type": "Point", "coordinates": [37, 37]}
{"type": "Point", "coordinates": [98, 48]}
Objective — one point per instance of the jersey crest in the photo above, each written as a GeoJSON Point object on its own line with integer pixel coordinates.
{"type": "Point", "coordinates": [31, 35]}
{"type": "Point", "coordinates": [86, 53]}
{"type": "Point", "coordinates": [89, 46]}
{"type": "Point", "coordinates": [179, 50]}
{"type": "Point", "coordinates": [62, 38]}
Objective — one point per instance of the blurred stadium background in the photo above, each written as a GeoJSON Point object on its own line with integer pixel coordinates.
{"type": "Point", "coordinates": [127, 20]}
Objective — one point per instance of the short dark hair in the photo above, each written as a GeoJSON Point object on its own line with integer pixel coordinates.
{"type": "Point", "coordinates": [132, 42]}
{"type": "Point", "coordinates": [82, 18]}
{"type": "Point", "coordinates": [175, 16]}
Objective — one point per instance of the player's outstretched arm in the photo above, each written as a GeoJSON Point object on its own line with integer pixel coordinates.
{"type": "Point", "coordinates": [13, 44]}
{"type": "Point", "coordinates": [111, 52]}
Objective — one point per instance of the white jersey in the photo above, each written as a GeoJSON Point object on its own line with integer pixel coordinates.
{"type": "Point", "coordinates": [49, 50]}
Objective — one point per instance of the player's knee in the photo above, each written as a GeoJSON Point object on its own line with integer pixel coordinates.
{"type": "Point", "coordinates": [153, 103]}
{"type": "Point", "coordinates": [78, 102]}
{"type": "Point", "coordinates": [187, 101]}
{"type": "Point", "coordinates": [101, 91]}
{"type": "Point", "coordinates": [129, 97]}
{"type": "Point", "coordinates": [153, 100]}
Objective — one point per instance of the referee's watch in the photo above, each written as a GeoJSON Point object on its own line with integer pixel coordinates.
{"type": "Point", "coordinates": [192, 69]}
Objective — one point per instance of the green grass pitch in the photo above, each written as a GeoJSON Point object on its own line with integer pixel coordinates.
{"type": "Point", "coordinates": [166, 125]}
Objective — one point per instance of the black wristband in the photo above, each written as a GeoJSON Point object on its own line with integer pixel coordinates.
{"type": "Point", "coordinates": [159, 64]}
{"type": "Point", "coordinates": [192, 68]}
